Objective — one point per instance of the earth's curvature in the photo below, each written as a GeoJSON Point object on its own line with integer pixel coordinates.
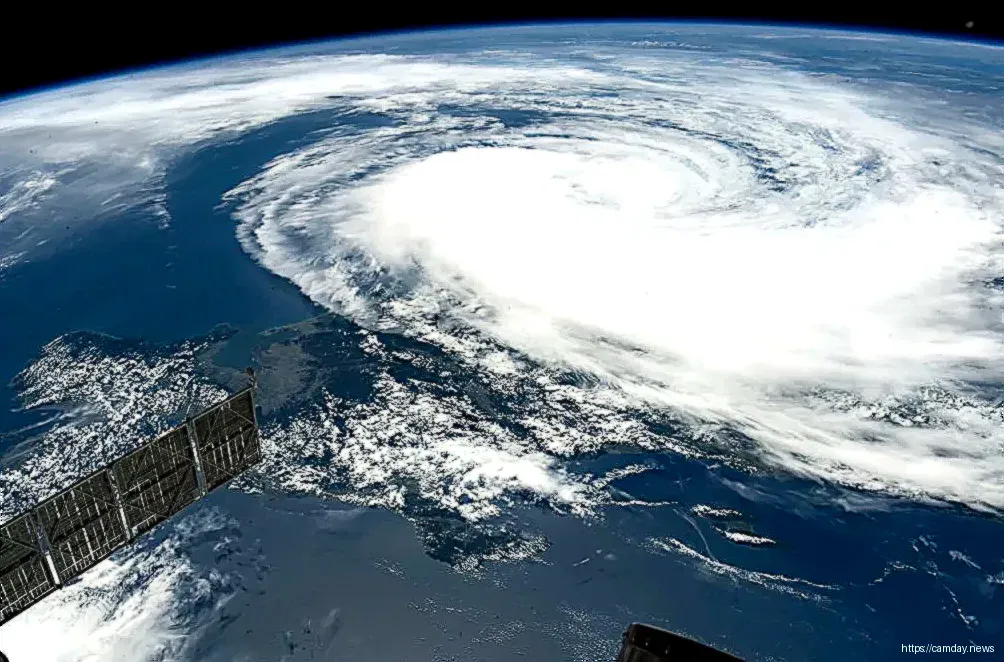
{"type": "Point", "coordinates": [558, 328]}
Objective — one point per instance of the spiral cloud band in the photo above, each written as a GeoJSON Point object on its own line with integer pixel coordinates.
{"type": "Point", "coordinates": [804, 261]}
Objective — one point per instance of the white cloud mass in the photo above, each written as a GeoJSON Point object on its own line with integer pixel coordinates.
{"type": "Point", "coordinates": [798, 258]}
{"type": "Point", "coordinates": [753, 248]}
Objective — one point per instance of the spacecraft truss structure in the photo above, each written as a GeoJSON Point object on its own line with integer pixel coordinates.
{"type": "Point", "coordinates": [57, 540]}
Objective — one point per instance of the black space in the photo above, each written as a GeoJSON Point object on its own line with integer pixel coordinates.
{"type": "Point", "coordinates": [48, 47]}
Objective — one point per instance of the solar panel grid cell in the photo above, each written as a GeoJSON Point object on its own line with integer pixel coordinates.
{"type": "Point", "coordinates": [157, 480]}
{"type": "Point", "coordinates": [82, 525]}
{"type": "Point", "coordinates": [24, 578]}
{"type": "Point", "coordinates": [227, 439]}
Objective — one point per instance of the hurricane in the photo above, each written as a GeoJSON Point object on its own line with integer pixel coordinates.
{"type": "Point", "coordinates": [796, 259]}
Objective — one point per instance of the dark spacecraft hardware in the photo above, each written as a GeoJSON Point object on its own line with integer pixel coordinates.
{"type": "Point", "coordinates": [47, 546]}
{"type": "Point", "coordinates": [647, 643]}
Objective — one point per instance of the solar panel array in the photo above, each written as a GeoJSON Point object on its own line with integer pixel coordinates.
{"type": "Point", "coordinates": [72, 531]}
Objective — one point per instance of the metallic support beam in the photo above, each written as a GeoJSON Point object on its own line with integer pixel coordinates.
{"type": "Point", "coordinates": [254, 412]}
{"type": "Point", "coordinates": [45, 548]}
{"type": "Point", "coordinates": [194, 441]}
